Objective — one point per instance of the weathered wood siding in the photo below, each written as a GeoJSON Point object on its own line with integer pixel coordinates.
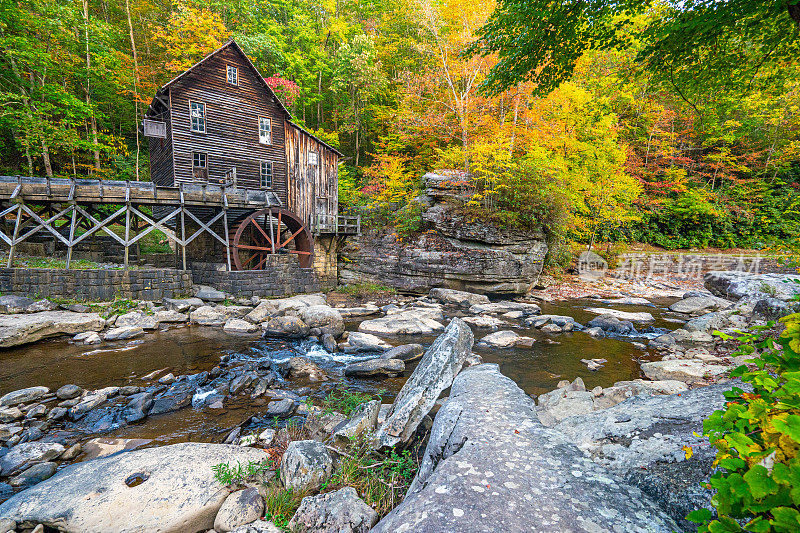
{"type": "Point", "coordinates": [312, 190]}
{"type": "Point", "coordinates": [232, 112]}
{"type": "Point", "coordinates": [161, 151]}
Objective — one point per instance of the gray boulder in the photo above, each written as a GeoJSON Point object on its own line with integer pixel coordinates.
{"type": "Point", "coordinates": [34, 474]}
{"type": "Point", "coordinates": [375, 367]}
{"type": "Point", "coordinates": [208, 316]}
{"type": "Point", "coordinates": [138, 406]}
{"type": "Point", "coordinates": [363, 420]}
{"type": "Point", "coordinates": [404, 352]}
{"type": "Point", "coordinates": [698, 305]}
{"type": "Point", "coordinates": [23, 329]}
{"type": "Point", "coordinates": [364, 342]}
{"type": "Point", "coordinates": [434, 373]}
{"type": "Point", "coordinates": [612, 324]}
{"type": "Point", "coordinates": [325, 318]}
{"type": "Point", "coordinates": [182, 305]}
{"type": "Point", "coordinates": [259, 526]}
{"type": "Point", "coordinates": [31, 394]}
{"type": "Point", "coordinates": [460, 298]}
{"type": "Point", "coordinates": [240, 507]}
{"type": "Point", "coordinates": [28, 453]}
{"type": "Point", "coordinates": [499, 469]}
{"type": "Point", "coordinates": [290, 327]}
{"type": "Point", "coordinates": [505, 306]}
{"type": "Point", "coordinates": [305, 465]}
{"type": "Point", "coordinates": [737, 285]}
{"type": "Point", "coordinates": [641, 439]}
{"type": "Point", "coordinates": [67, 392]}
{"type": "Point", "coordinates": [14, 304]}
{"type": "Point", "coordinates": [126, 489]}
{"type": "Point", "coordinates": [403, 323]}
{"type": "Point", "coordinates": [280, 408]}
{"type": "Point", "coordinates": [774, 308]}
{"type": "Point", "coordinates": [300, 367]}
{"type": "Point", "coordinates": [136, 319]}
{"type": "Point", "coordinates": [123, 333]}
{"type": "Point", "coordinates": [341, 511]}
{"type": "Point", "coordinates": [209, 294]}
{"type": "Point", "coordinates": [239, 326]}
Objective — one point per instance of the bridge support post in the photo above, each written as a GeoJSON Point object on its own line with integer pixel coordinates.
{"type": "Point", "coordinates": [14, 236]}
{"type": "Point", "coordinates": [72, 224]}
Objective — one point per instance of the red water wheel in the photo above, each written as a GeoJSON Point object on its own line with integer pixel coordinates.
{"type": "Point", "coordinates": [267, 232]}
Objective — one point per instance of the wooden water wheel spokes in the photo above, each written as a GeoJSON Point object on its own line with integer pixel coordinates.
{"type": "Point", "coordinates": [267, 232]}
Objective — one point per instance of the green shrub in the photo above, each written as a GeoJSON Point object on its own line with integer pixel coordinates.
{"type": "Point", "coordinates": [757, 437]}
{"type": "Point", "coordinates": [343, 401]}
{"type": "Point", "coordinates": [228, 474]}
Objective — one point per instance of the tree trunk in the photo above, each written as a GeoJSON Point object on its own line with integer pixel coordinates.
{"type": "Point", "coordinates": [135, 84]}
{"type": "Point", "coordinates": [48, 169]}
{"type": "Point", "coordinates": [92, 120]}
{"type": "Point", "coordinates": [514, 128]}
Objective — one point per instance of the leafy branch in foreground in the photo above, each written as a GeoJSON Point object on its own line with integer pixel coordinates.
{"type": "Point", "coordinates": [757, 437]}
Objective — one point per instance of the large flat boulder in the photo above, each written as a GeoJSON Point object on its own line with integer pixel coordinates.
{"type": "Point", "coordinates": [641, 316]}
{"type": "Point", "coordinates": [491, 466]}
{"type": "Point", "coordinates": [26, 328]}
{"type": "Point", "coordinates": [401, 324]}
{"type": "Point", "coordinates": [737, 285]}
{"type": "Point", "coordinates": [178, 494]}
{"type": "Point", "coordinates": [434, 373]}
{"type": "Point", "coordinates": [641, 439]}
{"type": "Point", "coordinates": [698, 305]}
{"type": "Point", "coordinates": [461, 298]}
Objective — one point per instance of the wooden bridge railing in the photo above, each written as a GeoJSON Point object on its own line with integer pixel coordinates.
{"type": "Point", "coordinates": [336, 224]}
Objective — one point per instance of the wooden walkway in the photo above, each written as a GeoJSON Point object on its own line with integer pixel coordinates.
{"type": "Point", "coordinates": [68, 209]}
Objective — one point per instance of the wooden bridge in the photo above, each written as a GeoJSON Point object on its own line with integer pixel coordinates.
{"type": "Point", "coordinates": [70, 209]}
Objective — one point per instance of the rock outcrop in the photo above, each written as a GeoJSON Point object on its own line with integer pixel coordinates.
{"type": "Point", "coordinates": [491, 466]}
{"type": "Point", "coordinates": [641, 439]}
{"type": "Point", "coordinates": [166, 489]}
{"type": "Point", "coordinates": [25, 328]}
{"type": "Point", "coordinates": [737, 285]}
{"type": "Point", "coordinates": [456, 252]}
{"type": "Point", "coordinates": [434, 373]}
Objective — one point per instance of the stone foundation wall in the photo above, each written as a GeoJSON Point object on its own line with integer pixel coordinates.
{"type": "Point", "coordinates": [326, 263]}
{"type": "Point", "coordinates": [282, 276]}
{"type": "Point", "coordinates": [145, 284]}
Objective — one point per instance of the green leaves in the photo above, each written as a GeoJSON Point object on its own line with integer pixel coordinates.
{"type": "Point", "coordinates": [760, 482]}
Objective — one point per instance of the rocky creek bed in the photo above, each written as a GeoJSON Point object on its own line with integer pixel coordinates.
{"type": "Point", "coordinates": [206, 370]}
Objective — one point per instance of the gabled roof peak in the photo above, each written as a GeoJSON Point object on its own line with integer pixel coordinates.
{"type": "Point", "coordinates": [229, 43]}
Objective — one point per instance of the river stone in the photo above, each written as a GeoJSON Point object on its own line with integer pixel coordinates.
{"type": "Point", "coordinates": [90, 495]}
{"type": "Point", "coordinates": [14, 304]}
{"type": "Point", "coordinates": [8, 431]}
{"type": "Point", "coordinates": [170, 317]}
{"type": "Point", "coordinates": [698, 305]}
{"type": "Point", "coordinates": [497, 308]}
{"type": "Point", "coordinates": [240, 507]}
{"type": "Point", "coordinates": [9, 414]}
{"type": "Point", "coordinates": [341, 511]}
{"type": "Point", "coordinates": [737, 285]}
{"type": "Point", "coordinates": [404, 352]}
{"type": "Point", "coordinates": [612, 324]}
{"type": "Point", "coordinates": [87, 403]}
{"type": "Point", "coordinates": [499, 469]}
{"type": "Point", "coordinates": [280, 408]}
{"type": "Point", "coordinates": [641, 316]}
{"type": "Point", "coordinates": [31, 394]}
{"type": "Point", "coordinates": [67, 392]}
{"type": "Point", "coordinates": [642, 439]}
{"type": "Point", "coordinates": [136, 319]}
{"type": "Point", "coordinates": [419, 310]}
{"type": "Point", "coordinates": [375, 367]}
{"type": "Point", "coordinates": [22, 329]}
{"type": "Point", "coordinates": [405, 323]}
{"type": "Point", "coordinates": [461, 298]}
{"type": "Point", "coordinates": [123, 333]}
{"type": "Point", "coordinates": [502, 339]}
{"type": "Point", "coordinates": [300, 367]}
{"type": "Point", "coordinates": [6, 525]}
{"type": "Point", "coordinates": [622, 390]}
{"type": "Point", "coordinates": [485, 321]}
{"type": "Point", "coordinates": [209, 294]}
{"type": "Point", "coordinates": [363, 420]}
{"type": "Point", "coordinates": [137, 407]}
{"type": "Point", "coordinates": [259, 526]}
{"type": "Point", "coordinates": [434, 373]}
{"type": "Point", "coordinates": [358, 312]}
{"type": "Point", "coordinates": [182, 305]}
{"type": "Point", "coordinates": [290, 327]}
{"type": "Point", "coordinates": [682, 336]}
{"type": "Point", "coordinates": [564, 322]}
{"type": "Point", "coordinates": [239, 326]}
{"type": "Point", "coordinates": [325, 318]}
{"type": "Point", "coordinates": [321, 425]}
{"type": "Point", "coordinates": [28, 453]}
{"type": "Point", "coordinates": [628, 300]}
{"type": "Point", "coordinates": [329, 343]}
{"type": "Point", "coordinates": [305, 465]}
{"type": "Point", "coordinates": [34, 474]}
{"type": "Point", "coordinates": [551, 329]}
{"type": "Point", "coordinates": [364, 342]}
{"type": "Point", "coordinates": [686, 370]}
{"type": "Point", "coordinates": [41, 305]}
{"type": "Point", "coordinates": [208, 316]}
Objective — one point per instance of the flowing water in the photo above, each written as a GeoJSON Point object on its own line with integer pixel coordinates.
{"type": "Point", "coordinates": [192, 349]}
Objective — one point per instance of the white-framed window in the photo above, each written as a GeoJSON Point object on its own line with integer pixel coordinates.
{"type": "Point", "coordinates": [200, 165]}
{"type": "Point", "coordinates": [197, 115]}
{"type": "Point", "coordinates": [266, 174]}
{"type": "Point", "coordinates": [264, 130]}
{"type": "Point", "coordinates": [313, 159]}
{"type": "Point", "coordinates": [233, 75]}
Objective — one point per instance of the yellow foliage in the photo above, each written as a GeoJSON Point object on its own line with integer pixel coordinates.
{"type": "Point", "coordinates": [189, 35]}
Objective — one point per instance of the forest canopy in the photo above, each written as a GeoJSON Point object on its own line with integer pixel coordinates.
{"type": "Point", "coordinates": [669, 123]}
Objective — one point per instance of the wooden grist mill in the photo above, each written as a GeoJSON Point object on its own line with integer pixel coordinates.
{"type": "Point", "coordinates": [234, 179]}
